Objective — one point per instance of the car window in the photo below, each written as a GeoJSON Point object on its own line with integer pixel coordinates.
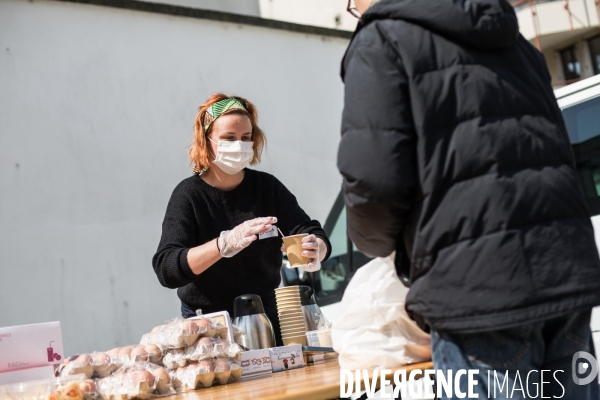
{"type": "Point", "coordinates": [338, 238]}
{"type": "Point", "coordinates": [583, 126]}
{"type": "Point", "coordinates": [583, 120]}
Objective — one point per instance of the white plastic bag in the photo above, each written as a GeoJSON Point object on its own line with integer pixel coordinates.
{"type": "Point", "coordinates": [372, 329]}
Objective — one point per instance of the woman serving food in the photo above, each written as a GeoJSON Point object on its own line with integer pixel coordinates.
{"type": "Point", "coordinates": [219, 235]}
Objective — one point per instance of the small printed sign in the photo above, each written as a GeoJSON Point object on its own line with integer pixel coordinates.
{"type": "Point", "coordinates": [30, 346]}
{"type": "Point", "coordinates": [255, 362]}
{"type": "Point", "coordinates": [286, 358]}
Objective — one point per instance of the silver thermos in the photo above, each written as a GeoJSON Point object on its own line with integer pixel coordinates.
{"type": "Point", "coordinates": [249, 316]}
{"type": "Point", "coordinates": [312, 313]}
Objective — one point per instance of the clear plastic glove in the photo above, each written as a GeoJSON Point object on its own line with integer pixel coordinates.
{"type": "Point", "coordinates": [311, 250]}
{"type": "Point", "coordinates": [233, 241]}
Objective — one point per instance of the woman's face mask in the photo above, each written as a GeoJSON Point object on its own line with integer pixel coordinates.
{"type": "Point", "coordinates": [233, 156]}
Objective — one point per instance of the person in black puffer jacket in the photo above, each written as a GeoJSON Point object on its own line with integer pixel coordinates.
{"type": "Point", "coordinates": [455, 155]}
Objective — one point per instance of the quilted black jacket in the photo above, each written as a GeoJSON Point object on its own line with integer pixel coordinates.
{"type": "Point", "coordinates": [454, 153]}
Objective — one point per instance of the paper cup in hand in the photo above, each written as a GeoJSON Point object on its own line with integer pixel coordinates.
{"type": "Point", "coordinates": [293, 248]}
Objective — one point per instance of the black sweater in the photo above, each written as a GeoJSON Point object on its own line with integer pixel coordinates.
{"type": "Point", "coordinates": [198, 212]}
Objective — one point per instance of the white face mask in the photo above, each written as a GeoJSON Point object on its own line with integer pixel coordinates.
{"type": "Point", "coordinates": [232, 157]}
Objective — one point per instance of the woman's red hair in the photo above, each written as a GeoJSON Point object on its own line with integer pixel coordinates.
{"type": "Point", "coordinates": [199, 152]}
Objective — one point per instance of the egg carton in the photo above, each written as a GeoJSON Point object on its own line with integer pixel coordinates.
{"type": "Point", "coordinates": [204, 374]}
{"type": "Point", "coordinates": [94, 365]}
{"type": "Point", "coordinates": [80, 364]}
{"type": "Point", "coordinates": [223, 328]}
{"type": "Point", "coordinates": [139, 380]}
{"type": "Point", "coordinates": [203, 349]}
{"type": "Point", "coordinates": [135, 353]}
{"type": "Point", "coordinates": [175, 334]}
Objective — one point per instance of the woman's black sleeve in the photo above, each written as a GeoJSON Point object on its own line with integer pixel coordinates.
{"type": "Point", "coordinates": [292, 219]}
{"type": "Point", "coordinates": [178, 236]}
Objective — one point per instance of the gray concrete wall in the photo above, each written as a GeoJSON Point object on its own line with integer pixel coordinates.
{"type": "Point", "coordinates": [96, 113]}
{"type": "Point", "coordinates": [244, 7]}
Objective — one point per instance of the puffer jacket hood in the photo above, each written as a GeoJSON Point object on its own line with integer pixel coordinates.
{"type": "Point", "coordinates": [483, 24]}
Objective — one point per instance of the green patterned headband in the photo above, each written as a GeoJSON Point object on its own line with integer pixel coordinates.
{"type": "Point", "coordinates": [217, 109]}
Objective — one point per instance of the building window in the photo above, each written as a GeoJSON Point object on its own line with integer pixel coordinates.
{"type": "Point", "coordinates": [570, 62]}
{"type": "Point", "coordinates": [594, 45]}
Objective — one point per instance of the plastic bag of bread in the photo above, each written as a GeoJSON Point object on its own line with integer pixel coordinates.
{"type": "Point", "coordinates": [90, 391]}
{"type": "Point", "coordinates": [74, 387]}
{"type": "Point", "coordinates": [38, 390]}
{"type": "Point", "coordinates": [175, 334]}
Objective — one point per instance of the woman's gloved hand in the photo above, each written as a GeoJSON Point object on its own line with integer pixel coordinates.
{"type": "Point", "coordinates": [311, 250]}
{"type": "Point", "coordinates": [233, 241]}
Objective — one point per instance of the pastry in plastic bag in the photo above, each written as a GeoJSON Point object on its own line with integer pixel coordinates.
{"type": "Point", "coordinates": [62, 388]}
{"type": "Point", "coordinates": [68, 391]}
{"type": "Point", "coordinates": [90, 391]}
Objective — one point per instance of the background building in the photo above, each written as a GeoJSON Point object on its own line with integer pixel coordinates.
{"type": "Point", "coordinates": [566, 31]}
{"type": "Point", "coordinates": [568, 34]}
{"type": "Point", "coordinates": [324, 13]}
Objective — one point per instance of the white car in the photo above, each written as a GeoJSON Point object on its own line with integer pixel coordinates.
{"type": "Point", "coordinates": [580, 105]}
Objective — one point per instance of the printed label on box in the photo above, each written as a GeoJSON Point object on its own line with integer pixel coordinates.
{"type": "Point", "coordinates": [30, 346]}
{"type": "Point", "coordinates": [255, 362]}
{"type": "Point", "coordinates": [286, 358]}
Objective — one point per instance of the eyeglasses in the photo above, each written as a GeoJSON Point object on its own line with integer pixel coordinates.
{"type": "Point", "coordinates": [352, 9]}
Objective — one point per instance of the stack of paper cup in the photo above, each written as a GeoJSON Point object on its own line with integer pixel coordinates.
{"type": "Point", "coordinates": [291, 318]}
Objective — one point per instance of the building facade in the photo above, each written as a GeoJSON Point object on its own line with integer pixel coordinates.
{"type": "Point", "coordinates": [567, 32]}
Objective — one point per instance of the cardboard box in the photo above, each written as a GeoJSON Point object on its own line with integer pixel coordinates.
{"type": "Point", "coordinates": [286, 357]}
{"type": "Point", "coordinates": [30, 346]}
{"type": "Point", "coordinates": [255, 362]}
